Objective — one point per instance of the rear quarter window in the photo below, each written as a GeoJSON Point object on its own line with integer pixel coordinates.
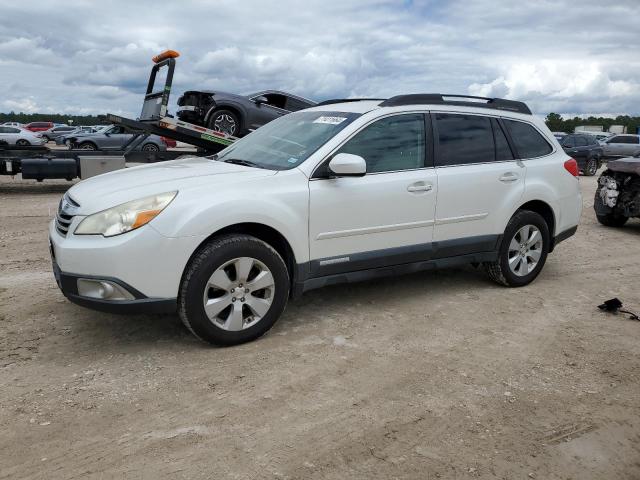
{"type": "Point", "coordinates": [528, 141]}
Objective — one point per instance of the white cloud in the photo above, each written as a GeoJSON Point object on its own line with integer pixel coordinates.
{"type": "Point", "coordinates": [97, 59]}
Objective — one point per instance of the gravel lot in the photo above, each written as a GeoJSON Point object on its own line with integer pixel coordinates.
{"type": "Point", "coordinates": [432, 375]}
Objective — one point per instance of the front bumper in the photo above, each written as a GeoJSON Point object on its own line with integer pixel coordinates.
{"type": "Point", "coordinates": [68, 284]}
{"type": "Point", "coordinates": [143, 263]}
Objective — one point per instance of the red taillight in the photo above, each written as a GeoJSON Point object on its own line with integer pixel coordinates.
{"type": "Point", "coordinates": [571, 166]}
{"type": "Point", "coordinates": [169, 142]}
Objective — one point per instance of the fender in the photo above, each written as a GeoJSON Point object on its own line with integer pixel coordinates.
{"type": "Point", "coordinates": [282, 204]}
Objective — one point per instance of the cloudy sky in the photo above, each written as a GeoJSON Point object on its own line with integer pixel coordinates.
{"type": "Point", "coordinates": [83, 56]}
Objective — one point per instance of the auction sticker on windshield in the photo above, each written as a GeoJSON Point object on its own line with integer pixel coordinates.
{"type": "Point", "coordinates": [330, 120]}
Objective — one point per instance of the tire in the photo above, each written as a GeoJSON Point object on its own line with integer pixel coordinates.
{"type": "Point", "coordinates": [23, 143]}
{"type": "Point", "coordinates": [612, 220]}
{"type": "Point", "coordinates": [523, 269]}
{"type": "Point", "coordinates": [88, 146]}
{"type": "Point", "coordinates": [591, 168]}
{"type": "Point", "coordinates": [46, 139]}
{"type": "Point", "coordinates": [220, 264]}
{"type": "Point", "coordinates": [225, 121]}
{"type": "Point", "coordinates": [150, 147]}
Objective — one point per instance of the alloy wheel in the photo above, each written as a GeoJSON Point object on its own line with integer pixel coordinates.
{"type": "Point", "coordinates": [225, 123]}
{"type": "Point", "coordinates": [239, 294]}
{"type": "Point", "coordinates": [525, 250]}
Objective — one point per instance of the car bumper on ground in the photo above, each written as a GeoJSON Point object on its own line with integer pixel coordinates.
{"type": "Point", "coordinates": [137, 272]}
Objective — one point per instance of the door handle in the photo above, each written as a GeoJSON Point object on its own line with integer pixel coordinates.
{"type": "Point", "coordinates": [420, 187]}
{"type": "Point", "coordinates": [509, 177]}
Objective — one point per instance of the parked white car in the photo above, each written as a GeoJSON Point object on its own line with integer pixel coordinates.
{"type": "Point", "coordinates": [11, 124]}
{"type": "Point", "coordinates": [336, 193]}
{"type": "Point", "coordinates": [20, 136]}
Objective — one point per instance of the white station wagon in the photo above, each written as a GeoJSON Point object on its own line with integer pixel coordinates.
{"type": "Point", "coordinates": [345, 191]}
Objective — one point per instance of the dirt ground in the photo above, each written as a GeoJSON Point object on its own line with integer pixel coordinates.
{"type": "Point", "coordinates": [432, 375]}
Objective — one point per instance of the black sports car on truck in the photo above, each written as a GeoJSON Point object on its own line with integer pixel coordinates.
{"type": "Point", "coordinates": [234, 114]}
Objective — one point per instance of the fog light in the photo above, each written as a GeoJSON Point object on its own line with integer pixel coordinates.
{"type": "Point", "coordinates": [102, 289]}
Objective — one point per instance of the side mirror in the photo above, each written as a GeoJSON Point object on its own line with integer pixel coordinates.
{"type": "Point", "coordinates": [348, 165]}
{"type": "Point", "coordinates": [260, 100]}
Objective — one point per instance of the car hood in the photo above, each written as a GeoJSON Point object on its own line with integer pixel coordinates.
{"type": "Point", "coordinates": [114, 188]}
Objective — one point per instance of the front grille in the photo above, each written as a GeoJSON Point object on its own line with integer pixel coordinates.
{"type": "Point", "coordinates": [62, 223]}
{"type": "Point", "coordinates": [65, 214]}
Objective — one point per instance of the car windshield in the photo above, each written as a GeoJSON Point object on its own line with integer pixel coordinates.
{"type": "Point", "coordinates": [288, 141]}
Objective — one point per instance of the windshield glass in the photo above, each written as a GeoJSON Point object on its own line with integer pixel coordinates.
{"type": "Point", "coordinates": [288, 141]}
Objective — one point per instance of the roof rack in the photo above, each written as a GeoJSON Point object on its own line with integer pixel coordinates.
{"type": "Point", "coordinates": [347, 100]}
{"type": "Point", "coordinates": [466, 100]}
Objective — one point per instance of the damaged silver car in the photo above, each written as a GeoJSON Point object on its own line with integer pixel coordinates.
{"type": "Point", "coordinates": [618, 195]}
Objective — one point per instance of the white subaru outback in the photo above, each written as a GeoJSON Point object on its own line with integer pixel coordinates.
{"type": "Point", "coordinates": [345, 191]}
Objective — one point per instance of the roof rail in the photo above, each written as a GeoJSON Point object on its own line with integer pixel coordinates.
{"type": "Point", "coordinates": [347, 100]}
{"type": "Point", "coordinates": [466, 100]}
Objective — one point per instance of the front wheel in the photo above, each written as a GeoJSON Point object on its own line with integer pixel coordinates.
{"type": "Point", "coordinates": [233, 290]}
{"type": "Point", "coordinates": [88, 146]}
{"type": "Point", "coordinates": [523, 251]}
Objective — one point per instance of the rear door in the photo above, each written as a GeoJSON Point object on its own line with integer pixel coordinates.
{"type": "Point", "coordinates": [479, 182]}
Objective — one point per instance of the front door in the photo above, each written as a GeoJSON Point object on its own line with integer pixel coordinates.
{"type": "Point", "coordinates": [384, 217]}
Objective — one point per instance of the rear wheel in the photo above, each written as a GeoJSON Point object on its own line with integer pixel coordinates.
{"type": "Point", "coordinates": [150, 147]}
{"type": "Point", "coordinates": [234, 290]}
{"type": "Point", "coordinates": [23, 143]}
{"type": "Point", "coordinates": [523, 251]}
{"type": "Point", "coordinates": [225, 121]}
{"type": "Point", "coordinates": [592, 167]}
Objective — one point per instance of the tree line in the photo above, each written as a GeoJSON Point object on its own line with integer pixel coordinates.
{"type": "Point", "coordinates": [556, 123]}
{"type": "Point", "coordinates": [54, 118]}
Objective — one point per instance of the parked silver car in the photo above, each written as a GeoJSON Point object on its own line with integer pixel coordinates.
{"type": "Point", "coordinates": [623, 145]}
{"type": "Point", "coordinates": [20, 136]}
{"type": "Point", "coordinates": [58, 131]}
{"type": "Point", "coordinates": [112, 138]}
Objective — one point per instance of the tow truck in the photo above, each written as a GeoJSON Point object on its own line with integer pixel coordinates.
{"type": "Point", "coordinates": [40, 163]}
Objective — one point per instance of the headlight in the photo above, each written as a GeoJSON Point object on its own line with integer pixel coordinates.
{"type": "Point", "coordinates": [125, 217]}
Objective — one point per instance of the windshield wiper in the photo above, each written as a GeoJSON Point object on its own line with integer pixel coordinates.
{"type": "Point", "coordinates": [246, 163]}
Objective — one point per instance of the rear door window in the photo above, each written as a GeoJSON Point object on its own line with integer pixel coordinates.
{"type": "Point", "coordinates": [464, 139]}
{"type": "Point", "coordinates": [528, 141]}
{"type": "Point", "coordinates": [569, 142]}
{"type": "Point", "coordinates": [581, 142]}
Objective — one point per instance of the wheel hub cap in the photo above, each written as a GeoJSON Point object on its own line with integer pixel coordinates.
{"type": "Point", "coordinates": [239, 294]}
{"type": "Point", "coordinates": [225, 124]}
